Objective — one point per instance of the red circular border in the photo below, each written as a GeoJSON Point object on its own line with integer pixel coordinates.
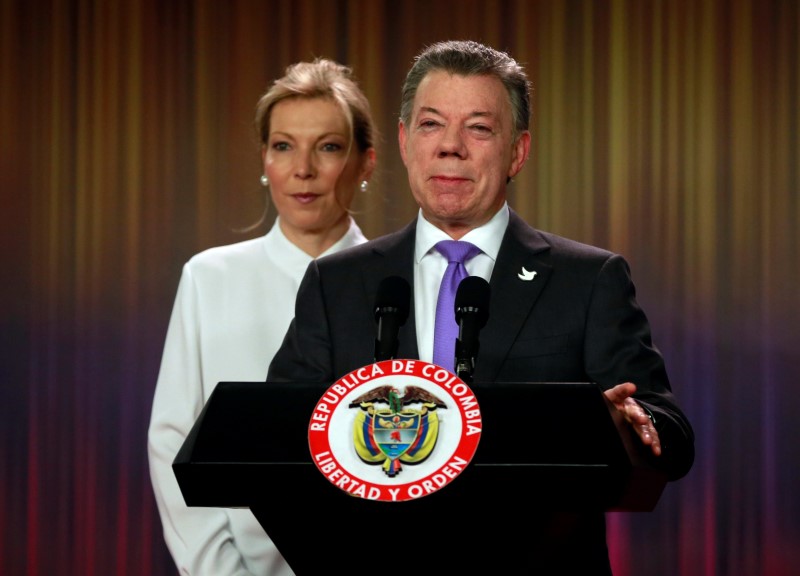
{"type": "Point", "coordinates": [319, 429]}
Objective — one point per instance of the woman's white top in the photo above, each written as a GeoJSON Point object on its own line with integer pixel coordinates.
{"type": "Point", "coordinates": [232, 310]}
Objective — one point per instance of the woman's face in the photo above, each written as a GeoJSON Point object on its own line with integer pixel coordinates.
{"type": "Point", "coordinates": [313, 174]}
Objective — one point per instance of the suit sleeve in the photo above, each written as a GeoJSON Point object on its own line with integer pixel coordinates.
{"type": "Point", "coordinates": [305, 354]}
{"type": "Point", "coordinates": [619, 349]}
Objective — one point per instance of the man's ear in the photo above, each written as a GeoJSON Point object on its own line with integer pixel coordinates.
{"type": "Point", "coordinates": [401, 139]}
{"type": "Point", "coordinates": [522, 148]}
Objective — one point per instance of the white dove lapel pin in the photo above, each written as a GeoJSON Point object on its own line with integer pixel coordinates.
{"type": "Point", "coordinates": [527, 275]}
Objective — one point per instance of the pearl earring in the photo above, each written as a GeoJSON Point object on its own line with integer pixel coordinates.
{"type": "Point", "coordinates": [264, 180]}
{"type": "Point", "coordinates": [364, 185]}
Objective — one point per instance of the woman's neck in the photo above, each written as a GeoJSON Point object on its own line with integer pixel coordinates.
{"type": "Point", "coordinates": [316, 242]}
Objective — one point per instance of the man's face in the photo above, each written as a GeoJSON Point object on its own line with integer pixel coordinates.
{"type": "Point", "coordinates": [458, 149]}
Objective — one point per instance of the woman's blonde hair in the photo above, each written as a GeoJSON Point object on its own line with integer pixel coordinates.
{"type": "Point", "coordinates": [322, 78]}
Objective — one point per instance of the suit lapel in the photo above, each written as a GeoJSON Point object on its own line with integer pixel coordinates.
{"type": "Point", "coordinates": [394, 256]}
{"type": "Point", "coordinates": [512, 297]}
{"type": "Point", "coordinates": [518, 278]}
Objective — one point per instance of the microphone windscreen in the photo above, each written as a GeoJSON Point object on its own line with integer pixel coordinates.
{"type": "Point", "coordinates": [473, 297]}
{"type": "Point", "coordinates": [394, 293]}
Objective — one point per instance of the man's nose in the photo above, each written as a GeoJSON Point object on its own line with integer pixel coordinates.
{"type": "Point", "coordinates": [452, 143]}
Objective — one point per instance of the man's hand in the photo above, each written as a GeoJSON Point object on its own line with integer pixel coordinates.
{"type": "Point", "coordinates": [620, 397]}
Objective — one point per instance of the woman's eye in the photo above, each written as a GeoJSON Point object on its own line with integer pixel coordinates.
{"type": "Point", "coordinates": [280, 146]}
{"type": "Point", "coordinates": [331, 147]}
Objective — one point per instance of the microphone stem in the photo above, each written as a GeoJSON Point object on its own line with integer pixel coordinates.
{"type": "Point", "coordinates": [465, 361]}
{"type": "Point", "coordinates": [464, 371]}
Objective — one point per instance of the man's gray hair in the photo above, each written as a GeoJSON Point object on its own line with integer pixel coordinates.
{"type": "Point", "coordinates": [470, 58]}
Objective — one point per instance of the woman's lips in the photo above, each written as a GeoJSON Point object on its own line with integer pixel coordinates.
{"type": "Point", "coordinates": [305, 198]}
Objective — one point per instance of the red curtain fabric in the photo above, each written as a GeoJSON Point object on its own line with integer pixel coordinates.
{"type": "Point", "coordinates": [667, 131]}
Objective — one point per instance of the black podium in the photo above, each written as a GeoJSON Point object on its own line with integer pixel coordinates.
{"type": "Point", "coordinates": [249, 448]}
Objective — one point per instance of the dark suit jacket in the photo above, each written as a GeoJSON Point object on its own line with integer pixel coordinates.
{"type": "Point", "coordinates": [577, 320]}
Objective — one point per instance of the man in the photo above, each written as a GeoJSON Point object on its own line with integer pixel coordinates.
{"type": "Point", "coordinates": [560, 311]}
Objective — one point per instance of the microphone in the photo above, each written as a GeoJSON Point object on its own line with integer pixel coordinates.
{"type": "Point", "coordinates": [472, 312]}
{"type": "Point", "coordinates": [391, 311]}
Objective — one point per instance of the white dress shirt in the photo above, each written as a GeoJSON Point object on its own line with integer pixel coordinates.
{"type": "Point", "coordinates": [429, 267]}
{"type": "Point", "coordinates": [232, 310]}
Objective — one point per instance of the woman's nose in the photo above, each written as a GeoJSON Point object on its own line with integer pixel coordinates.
{"type": "Point", "coordinates": [305, 165]}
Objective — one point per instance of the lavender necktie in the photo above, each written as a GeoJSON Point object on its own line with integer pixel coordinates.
{"type": "Point", "coordinates": [446, 330]}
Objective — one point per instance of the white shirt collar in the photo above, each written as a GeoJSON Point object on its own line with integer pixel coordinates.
{"type": "Point", "coordinates": [487, 237]}
{"type": "Point", "coordinates": [352, 237]}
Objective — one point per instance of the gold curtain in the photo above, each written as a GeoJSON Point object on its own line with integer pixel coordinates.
{"type": "Point", "coordinates": [664, 130]}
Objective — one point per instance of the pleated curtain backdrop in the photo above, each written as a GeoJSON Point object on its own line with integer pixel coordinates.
{"type": "Point", "coordinates": [664, 130]}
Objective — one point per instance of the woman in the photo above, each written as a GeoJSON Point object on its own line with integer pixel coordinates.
{"type": "Point", "coordinates": [234, 303]}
